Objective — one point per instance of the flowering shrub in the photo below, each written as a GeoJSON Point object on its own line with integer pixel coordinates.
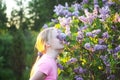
{"type": "Point", "coordinates": [92, 50]}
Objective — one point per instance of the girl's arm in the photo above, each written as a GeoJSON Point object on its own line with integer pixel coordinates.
{"type": "Point", "coordinates": [38, 76]}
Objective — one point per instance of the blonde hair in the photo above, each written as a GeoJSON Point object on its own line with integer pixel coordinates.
{"type": "Point", "coordinates": [42, 38]}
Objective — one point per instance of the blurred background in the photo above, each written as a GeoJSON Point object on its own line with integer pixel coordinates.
{"type": "Point", "coordinates": [20, 22]}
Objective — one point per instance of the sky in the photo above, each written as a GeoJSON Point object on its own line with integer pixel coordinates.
{"type": "Point", "coordinates": [11, 4]}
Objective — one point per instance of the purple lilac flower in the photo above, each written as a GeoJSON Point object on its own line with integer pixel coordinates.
{"type": "Point", "coordinates": [77, 6]}
{"type": "Point", "coordinates": [104, 58]}
{"type": "Point", "coordinates": [76, 70]}
{"type": "Point", "coordinates": [80, 36]}
{"type": "Point", "coordinates": [84, 1]}
{"type": "Point", "coordinates": [87, 46]}
{"type": "Point", "coordinates": [104, 13]}
{"type": "Point", "coordinates": [115, 56]}
{"type": "Point", "coordinates": [105, 35]}
{"type": "Point", "coordinates": [96, 3]}
{"type": "Point", "coordinates": [100, 41]}
{"type": "Point", "coordinates": [111, 77]}
{"type": "Point", "coordinates": [110, 2]}
{"type": "Point", "coordinates": [99, 47]}
{"type": "Point", "coordinates": [72, 60]}
{"type": "Point", "coordinates": [108, 70]}
{"type": "Point", "coordinates": [96, 31]}
{"type": "Point", "coordinates": [105, 2]}
{"type": "Point", "coordinates": [75, 13]}
{"type": "Point", "coordinates": [79, 70]}
{"type": "Point", "coordinates": [89, 16]}
{"type": "Point", "coordinates": [83, 28]}
{"type": "Point", "coordinates": [89, 34]}
{"type": "Point", "coordinates": [61, 36]}
{"type": "Point", "coordinates": [67, 31]}
{"type": "Point", "coordinates": [67, 13]}
{"type": "Point", "coordinates": [54, 20]}
{"type": "Point", "coordinates": [83, 19]}
{"type": "Point", "coordinates": [117, 49]}
{"type": "Point", "coordinates": [45, 26]}
{"type": "Point", "coordinates": [114, 28]}
{"type": "Point", "coordinates": [79, 78]}
{"type": "Point", "coordinates": [60, 66]}
{"type": "Point", "coordinates": [64, 21]}
{"type": "Point", "coordinates": [59, 9]}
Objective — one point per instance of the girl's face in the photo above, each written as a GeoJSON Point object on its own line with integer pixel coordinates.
{"type": "Point", "coordinates": [55, 43]}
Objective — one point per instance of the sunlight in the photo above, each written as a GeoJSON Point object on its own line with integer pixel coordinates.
{"type": "Point", "coordinates": [11, 4]}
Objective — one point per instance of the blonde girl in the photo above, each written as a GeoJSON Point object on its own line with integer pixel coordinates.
{"type": "Point", "coordinates": [48, 43]}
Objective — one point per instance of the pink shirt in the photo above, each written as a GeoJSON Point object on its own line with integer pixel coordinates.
{"type": "Point", "coordinates": [48, 66]}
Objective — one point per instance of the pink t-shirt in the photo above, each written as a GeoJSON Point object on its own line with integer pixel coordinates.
{"type": "Point", "coordinates": [48, 66]}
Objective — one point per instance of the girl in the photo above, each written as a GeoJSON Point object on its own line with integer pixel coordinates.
{"type": "Point", "coordinates": [50, 45]}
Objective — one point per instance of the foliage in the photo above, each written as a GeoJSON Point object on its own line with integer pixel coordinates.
{"type": "Point", "coordinates": [92, 51]}
{"type": "Point", "coordinates": [3, 18]}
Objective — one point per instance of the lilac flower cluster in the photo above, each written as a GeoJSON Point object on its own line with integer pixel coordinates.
{"type": "Point", "coordinates": [64, 21]}
{"type": "Point", "coordinates": [89, 34]}
{"type": "Point", "coordinates": [61, 10]}
{"type": "Point", "coordinates": [67, 31]}
{"type": "Point", "coordinates": [93, 33]}
{"type": "Point", "coordinates": [72, 60]}
{"type": "Point", "coordinates": [79, 70]}
{"type": "Point", "coordinates": [87, 46]}
{"type": "Point", "coordinates": [96, 4]}
{"type": "Point", "coordinates": [105, 60]}
{"type": "Point", "coordinates": [80, 36]}
{"type": "Point", "coordinates": [104, 13]}
{"type": "Point", "coordinates": [108, 2]}
{"type": "Point", "coordinates": [111, 77]}
{"type": "Point", "coordinates": [100, 41]}
{"type": "Point", "coordinates": [96, 31]}
{"type": "Point", "coordinates": [76, 7]}
{"type": "Point", "coordinates": [83, 28]}
{"type": "Point", "coordinates": [45, 26]}
{"type": "Point", "coordinates": [60, 66]}
{"type": "Point", "coordinates": [78, 78]}
{"type": "Point", "coordinates": [117, 49]}
{"type": "Point", "coordinates": [54, 20]}
{"type": "Point", "coordinates": [95, 48]}
{"type": "Point", "coordinates": [105, 35]}
{"type": "Point", "coordinates": [61, 36]}
{"type": "Point", "coordinates": [84, 1]}
{"type": "Point", "coordinates": [99, 47]}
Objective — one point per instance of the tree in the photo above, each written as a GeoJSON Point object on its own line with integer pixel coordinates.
{"type": "Point", "coordinates": [3, 18]}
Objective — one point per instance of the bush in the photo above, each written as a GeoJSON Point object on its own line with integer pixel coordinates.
{"type": "Point", "coordinates": [92, 51]}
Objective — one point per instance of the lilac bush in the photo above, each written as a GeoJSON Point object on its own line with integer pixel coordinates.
{"type": "Point", "coordinates": [92, 41]}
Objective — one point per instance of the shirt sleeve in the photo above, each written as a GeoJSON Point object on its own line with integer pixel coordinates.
{"type": "Point", "coordinates": [44, 68]}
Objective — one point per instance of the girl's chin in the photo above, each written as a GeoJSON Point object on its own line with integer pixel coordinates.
{"type": "Point", "coordinates": [61, 49]}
